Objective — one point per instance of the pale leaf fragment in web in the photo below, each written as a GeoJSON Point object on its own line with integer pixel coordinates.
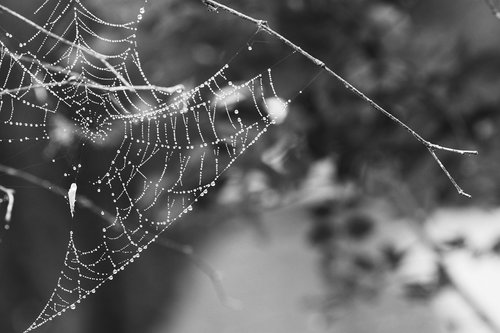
{"type": "Point", "coordinates": [72, 198]}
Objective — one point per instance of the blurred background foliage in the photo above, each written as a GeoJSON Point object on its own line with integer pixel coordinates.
{"type": "Point", "coordinates": [436, 65]}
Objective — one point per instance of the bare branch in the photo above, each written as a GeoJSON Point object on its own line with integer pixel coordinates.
{"type": "Point", "coordinates": [263, 25]}
{"type": "Point", "coordinates": [168, 90]}
{"type": "Point", "coordinates": [447, 173]}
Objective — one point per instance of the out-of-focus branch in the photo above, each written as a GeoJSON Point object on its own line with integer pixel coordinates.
{"type": "Point", "coordinates": [109, 218]}
{"type": "Point", "coordinates": [410, 203]}
{"type": "Point", "coordinates": [432, 147]}
{"type": "Point", "coordinates": [168, 90]}
{"type": "Point", "coordinates": [202, 265]}
{"type": "Point", "coordinates": [78, 78]}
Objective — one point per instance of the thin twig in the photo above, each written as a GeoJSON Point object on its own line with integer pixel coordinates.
{"type": "Point", "coordinates": [87, 203]}
{"type": "Point", "coordinates": [447, 173]}
{"type": "Point", "coordinates": [76, 79]}
{"type": "Point", "coordinates": [168, 90]}
{"type": "Point", "coordinates": [92, 84]}
{"type": "Point", "coordinates": [263, 25]}
{"type": "Point", "coordinates": [99, 56]}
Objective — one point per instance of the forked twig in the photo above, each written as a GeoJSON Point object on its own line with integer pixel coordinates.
{"type": "Point", "coordinates": [79, 79]}
{"type": "Point", "coordinates": [82, 200]}
{"type": "Point", "coordinates": [87, 203]}
{"type": "Point", "coordinates": [263, 25]}
{"type": "Point", "coordinates": [202, 265]}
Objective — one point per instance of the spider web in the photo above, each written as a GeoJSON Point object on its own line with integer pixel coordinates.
{"type": "Point", "coordinates": [96, 81]}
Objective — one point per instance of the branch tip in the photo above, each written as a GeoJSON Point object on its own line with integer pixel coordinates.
{"type": "Point", "coordinates": [467, 195]}
{"type": "Point", "coordinates": [432, 147]}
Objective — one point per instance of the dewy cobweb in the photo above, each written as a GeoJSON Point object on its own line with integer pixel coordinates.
{"type": "Point", "coordinates": [92, 76]}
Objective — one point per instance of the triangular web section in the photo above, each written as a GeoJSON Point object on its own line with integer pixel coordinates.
{"type": "Point", "coordinates": [202, 131]}
{"type": "Point", "coordinates": [194, 135]}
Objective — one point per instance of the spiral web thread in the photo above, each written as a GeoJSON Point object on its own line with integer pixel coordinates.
{"type": "Point", "coordinates": [199, 129]}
